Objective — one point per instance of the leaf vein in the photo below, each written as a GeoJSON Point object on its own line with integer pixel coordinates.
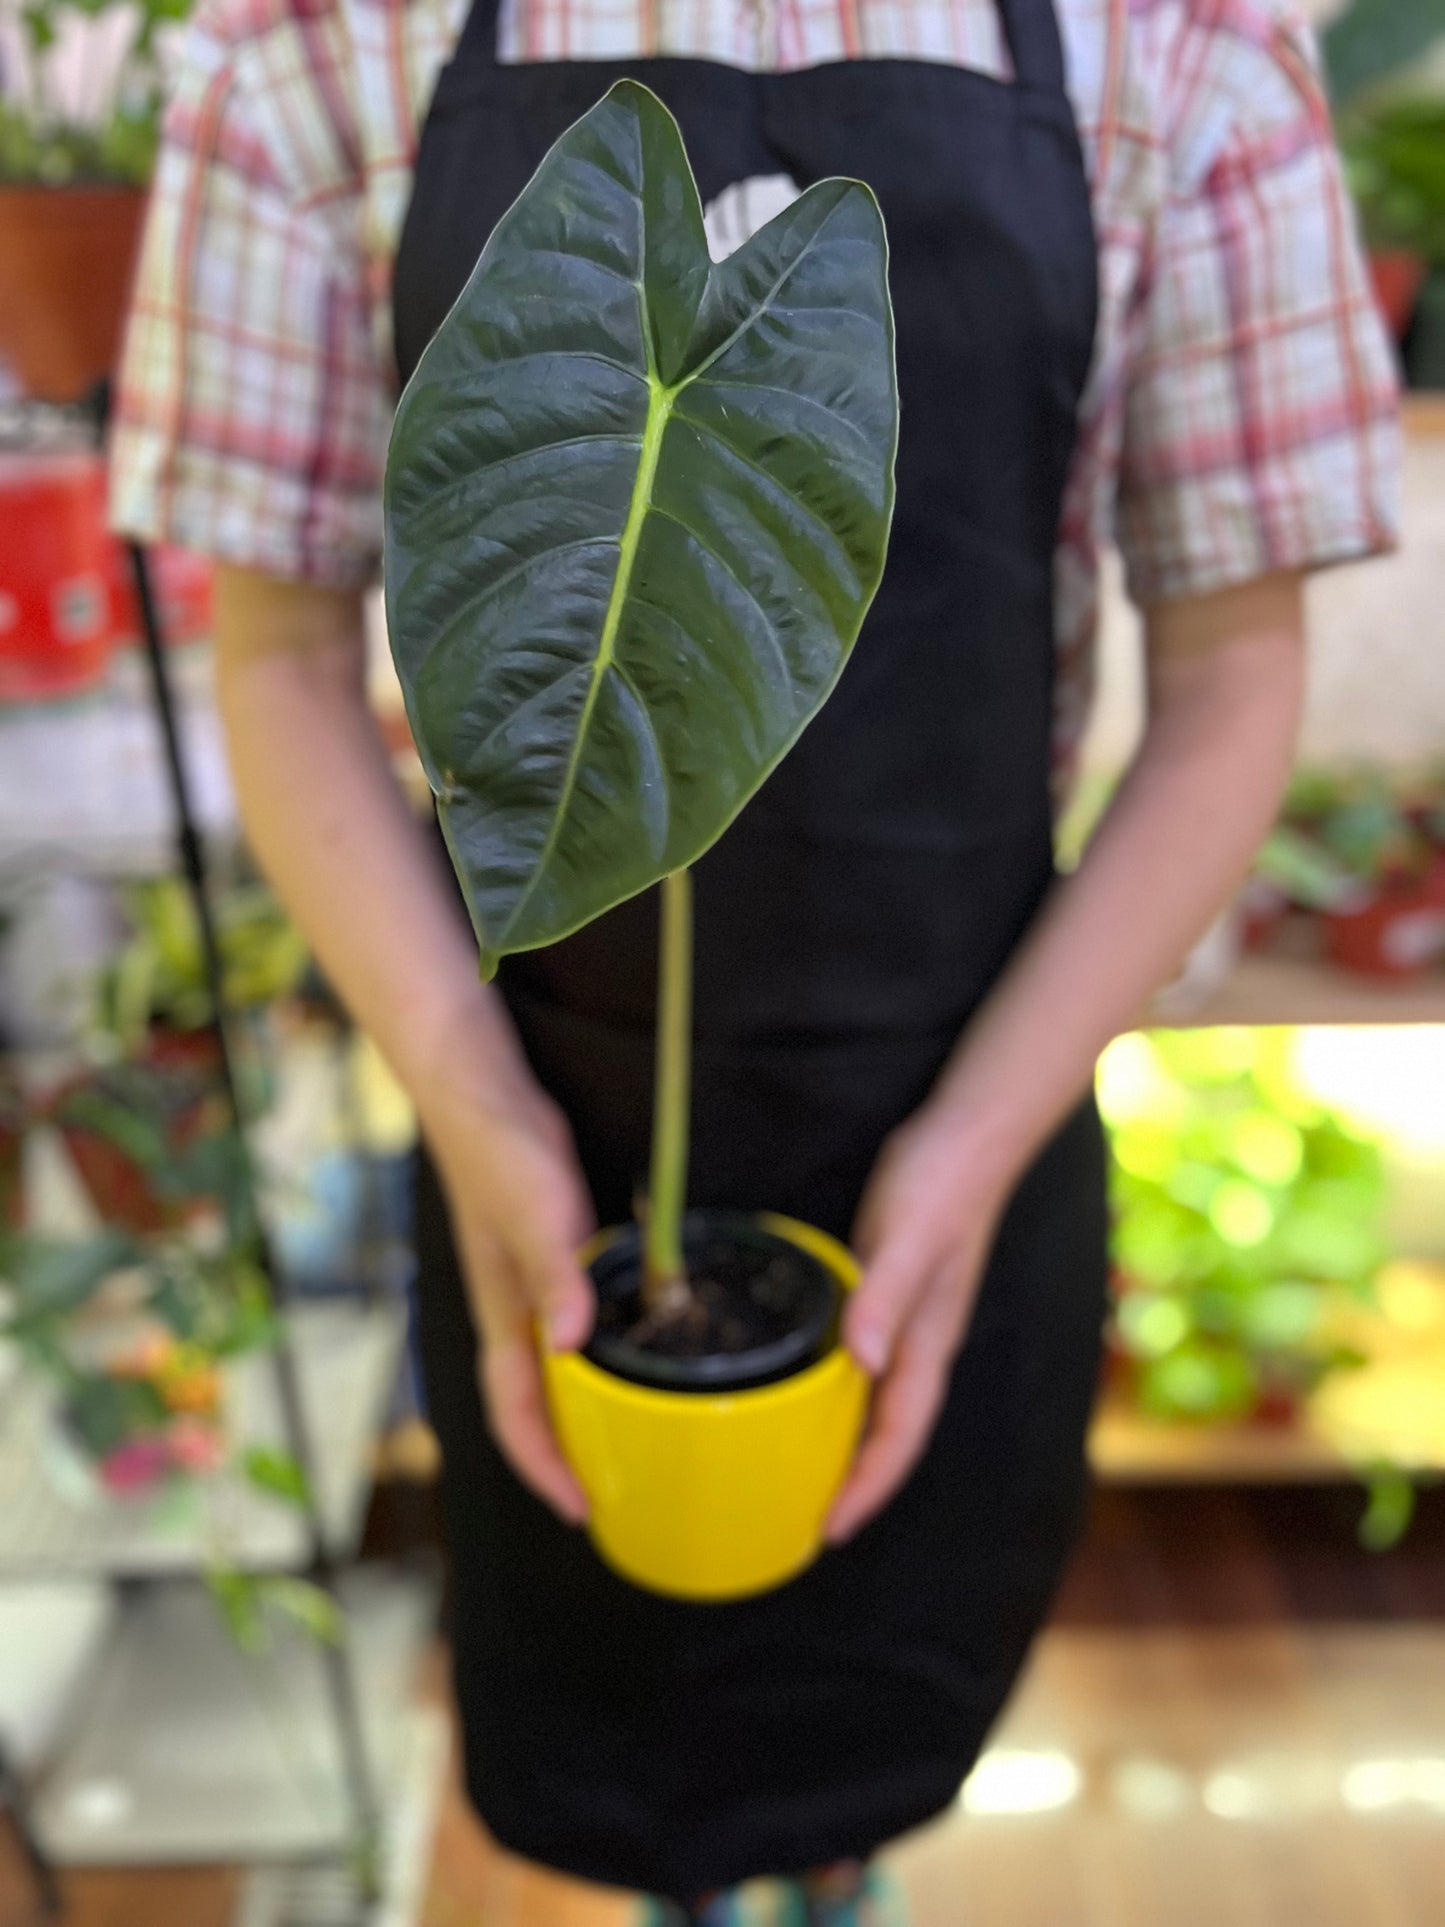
{"type": "Point", "coordinates": [731, 573]}
{"type": "Point", "coordinates": [480, 597]}
{"type": "Point", "coordinates": [715, 434]}
{"type": "Point", "coordinates": [794, 394]}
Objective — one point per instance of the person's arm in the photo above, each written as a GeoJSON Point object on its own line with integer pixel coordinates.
{"type": "Point", "coordinates": [331, 827]}
{"type": "Point", "coordinates": [1225, 684]}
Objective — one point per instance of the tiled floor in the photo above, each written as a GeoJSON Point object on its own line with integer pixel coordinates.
{"type": "Point", "coordinates": [1205, 1778]}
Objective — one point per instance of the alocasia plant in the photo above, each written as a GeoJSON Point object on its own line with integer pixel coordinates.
{"type": "Point", "coordinates": [637, 504]}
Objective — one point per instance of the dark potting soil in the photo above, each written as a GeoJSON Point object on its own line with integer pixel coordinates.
{"type": "Point", "coordinates": [757, 1308]}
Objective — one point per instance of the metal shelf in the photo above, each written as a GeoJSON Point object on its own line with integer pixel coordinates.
{"type": "Point", "coordinates": [1389, 1411]}
{"type": "Point", "coordinates": [347, 1356]}
{"type": "Point", "coordinates": [190, 1751]}
{"type": "Point", "coordinates": [1127, 1449]}
{"type": "Point", "coordinates": [113, 815]}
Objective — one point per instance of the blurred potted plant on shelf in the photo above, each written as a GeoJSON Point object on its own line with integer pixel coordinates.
{"type": "Point", "coordinates": [1243, 1212]}
{"type": "Point", "coordinates": [72, 187]}
{"type": "Point", "coordinates": [1392, 135]}
{"type": "Point", "coordinates": [134, 1338]}
{"type": "Point", "coordinates": [1388, 917]}
{"type": "Point", "coordinates": [716, 1357]}
{"type": "Point", "coordinates": [147, 1126]}
{"type": "Point", "coordinates": [153, 1000]}
{"type": "Point", "coordinates": [1364, 855]}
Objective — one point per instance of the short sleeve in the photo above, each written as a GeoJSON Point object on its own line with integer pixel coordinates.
{"type": "Point", "coordinates": [1261, 408]}
{"type": "Point", "coordinates": [252, 410]}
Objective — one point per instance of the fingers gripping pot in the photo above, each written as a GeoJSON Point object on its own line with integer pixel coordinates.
{"type": "Point", "coordinates": [637, 505]}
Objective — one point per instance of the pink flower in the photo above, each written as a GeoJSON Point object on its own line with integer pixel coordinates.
{"type": "Point", "coordinates": [194, 1445]}
{"type": "Point", "coordinates": [136, 1464]}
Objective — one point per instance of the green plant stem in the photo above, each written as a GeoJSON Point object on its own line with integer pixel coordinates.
{"type": "Point", "coordinates": [663, 1265]}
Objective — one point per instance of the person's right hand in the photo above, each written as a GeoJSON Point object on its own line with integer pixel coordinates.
{"type": "Point", "coordinates": [520, 1209]}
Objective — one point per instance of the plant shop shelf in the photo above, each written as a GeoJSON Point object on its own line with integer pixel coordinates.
{"type": "Point", "coordinates": [347, 1358]}
{"type": "Point", "coordinates": [1127, 1449]}
{"type": "Point", "coordinates": [1389, 1411]}
{"type": "Point", "coordinates": [189, 1751]}
{"type": "Point", "coordinates": [1269, 988]}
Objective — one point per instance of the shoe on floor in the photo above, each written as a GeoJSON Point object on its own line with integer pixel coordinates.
{"type": "Point", "coordinates": [760, 1903]}
{"type": "Point", "coordinates": [876, 1900]}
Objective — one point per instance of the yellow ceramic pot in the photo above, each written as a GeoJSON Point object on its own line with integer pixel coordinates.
{"type": "Point", "coordinates": [713, 1495]}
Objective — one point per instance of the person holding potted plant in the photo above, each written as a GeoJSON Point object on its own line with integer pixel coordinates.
{"type": "Point", "coordinates": [898, 1004]}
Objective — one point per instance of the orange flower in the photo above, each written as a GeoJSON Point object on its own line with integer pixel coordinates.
{"type": "Point", "coordinates": [149, 1357]}
{"type": "Point", "coordinates": [189, 1381]}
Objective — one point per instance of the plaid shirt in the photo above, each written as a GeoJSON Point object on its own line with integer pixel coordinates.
{"type": "Point", "coordinates": [1240, 414]}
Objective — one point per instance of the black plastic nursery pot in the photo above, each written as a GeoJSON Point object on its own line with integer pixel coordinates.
{"type": "Point", "coordinates": [762, 1309]}
{"type": "Point", "coordinates": [711, 1451]}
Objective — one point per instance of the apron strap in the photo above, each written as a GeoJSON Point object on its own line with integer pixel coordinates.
{"type": "Point", "coordinates": [1032, 29]}
{"type": "Point", "coordinates": [477, 44]}
{"type": "Point", "coordinates": [1030, 26]}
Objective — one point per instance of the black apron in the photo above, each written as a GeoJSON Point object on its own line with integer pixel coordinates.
{"type": "Point", "coordinates": [847, 925]}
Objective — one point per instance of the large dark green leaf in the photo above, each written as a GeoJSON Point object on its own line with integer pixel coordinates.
{"type": "Point", "coordinates": [636, 506]}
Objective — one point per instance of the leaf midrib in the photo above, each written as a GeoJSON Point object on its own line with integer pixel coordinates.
{"type": "Point", "coordinates": [659, 411]}
{"type": "Point", "coordinates": [660, 400]}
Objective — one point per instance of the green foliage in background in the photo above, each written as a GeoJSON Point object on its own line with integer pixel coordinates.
{"type": "Point", "coordinates": [1339, 829]}
{"type": "Point", "coordinates": [203, 1310]}
{"type": "Point", "coordinates": [40, 143]}
{"type": "Point", "coordinates": [1395, 160]}
{"type": "Point", "coordinates": [159, 976]}
{"type": "Point", "coordinates": [1391, 127]}
{"type": "Point", "coordinates": [1243, 1207]}
{"type": "Point", "coordinates": [1373, 41]}
{"type": "Point", "coordinates": [204, 1307]}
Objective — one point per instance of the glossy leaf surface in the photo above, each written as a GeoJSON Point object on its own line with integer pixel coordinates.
{"type": "Point", "coordinates": [637, 504]}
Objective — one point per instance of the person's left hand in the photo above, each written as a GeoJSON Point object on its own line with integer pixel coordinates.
{"type": "Point", "coordinates": [923, 1232]}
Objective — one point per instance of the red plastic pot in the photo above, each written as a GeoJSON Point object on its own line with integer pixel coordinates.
{"type": "Point", "coordinates": [1397, 276]}
{"type": "Point", "coordinates": [55, 614]}
{"type": "Point", "coordinates": [182, 584]}
{"type": "Point", "coordinates": [1396, 928]}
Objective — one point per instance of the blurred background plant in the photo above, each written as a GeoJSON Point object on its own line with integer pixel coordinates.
{"type": "Point", "coordinates": [104, 125]}
{"type": "Point", "coordinates": [1244, 1211]}
{"type": "Point", "coordinates": [145, 1123]}
{"type": "Point", "coordinates": [1363, 850]}
{"type": "Point", "coordinates": [1383, 60]}
{"type": "Point", "coordinates": [156, 981]}
{"type": "Point", "coordinates": [134, 1336]}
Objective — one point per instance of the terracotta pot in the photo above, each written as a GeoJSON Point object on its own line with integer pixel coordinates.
{"type": "Point", "coordinates": [66, 255]}
{"type": "Point", "coordinates": [122, 1190]}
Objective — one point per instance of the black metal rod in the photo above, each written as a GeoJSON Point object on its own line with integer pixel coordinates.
{"type": "Point", "coordinates": [12, 1798]}
{"type": "Point", "coordinates": [337, 1659]}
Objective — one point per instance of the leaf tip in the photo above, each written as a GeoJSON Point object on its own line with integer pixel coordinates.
{"type": "Point", "coordinates": [632, 93]}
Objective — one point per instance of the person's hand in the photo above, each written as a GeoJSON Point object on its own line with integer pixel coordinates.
{"type": "Point", "coordinates": [923, 1232]}
{"type": "Point", "coordinates": [520, 1209]}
